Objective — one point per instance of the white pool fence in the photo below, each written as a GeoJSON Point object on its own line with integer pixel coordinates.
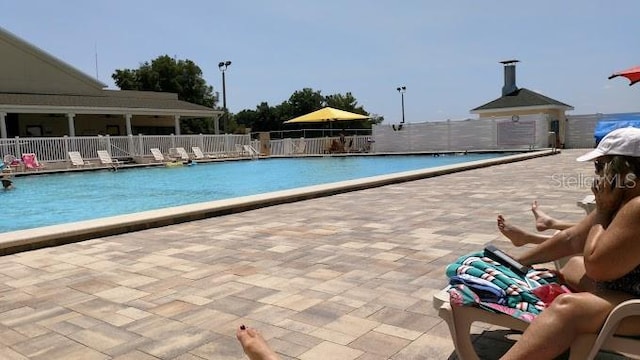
{"type": "Point", "coordinates": [529, 132]}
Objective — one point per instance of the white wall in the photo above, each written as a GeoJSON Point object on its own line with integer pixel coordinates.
{"type": "Point", "coordinates": [580, 130]}
{"type": "Point", "coordinates": [530, 131]}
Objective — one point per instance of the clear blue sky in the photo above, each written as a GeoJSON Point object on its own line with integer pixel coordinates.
{"type": "Point", "coordinates": [446, 53]}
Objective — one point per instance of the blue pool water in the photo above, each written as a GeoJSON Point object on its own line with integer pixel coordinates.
{"type": "Point", "coordinates": [61, 198]}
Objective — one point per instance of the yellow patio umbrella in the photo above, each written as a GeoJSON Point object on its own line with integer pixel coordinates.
{"type": "Point", "coordinates": [327, 114]}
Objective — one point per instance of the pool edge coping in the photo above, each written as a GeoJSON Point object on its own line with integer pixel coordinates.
{"type": "Point", "coordinates": [54, 235]}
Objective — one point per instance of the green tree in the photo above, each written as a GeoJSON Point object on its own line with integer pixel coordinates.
{"type": "Point", "coordinates": [375, 119]}
{"type": "Point", "coordinates": [266, 118]}
{"type": "Point", "coordinates": [246, 118]}
{"type": "Point", "coordinates": [308, 100]}
{"type": "Point", "coordinates": [348, 102]}
{"type": "Point", "coordinates": [345, 102]}
{"type": "Point", "coordinates": [271, 118]}
{"type": "Point", "coordinates": [263, 118]}
{"type": "Point", "coordinates": [167, 74]}
{"type": "Point", "coordinates": [304, 101]}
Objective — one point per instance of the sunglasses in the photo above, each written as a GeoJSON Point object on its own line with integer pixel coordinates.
{"type": "Point", "coordinates": [599, 165]}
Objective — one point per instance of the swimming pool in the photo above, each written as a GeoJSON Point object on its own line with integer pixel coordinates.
{"type": "Point", "coordinates": [52, 199]}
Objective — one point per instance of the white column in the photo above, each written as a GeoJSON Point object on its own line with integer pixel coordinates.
{"type": "Point", "coordinates": [177, 124]}
{"type": "Point", "coordinates": [216, 125]}
{"type": "Point", "coordinates": [127, 120]}
{"type": "Point", "coordinates": [72, 125]}
{"type": "Point", "coordinates": [3, 125]}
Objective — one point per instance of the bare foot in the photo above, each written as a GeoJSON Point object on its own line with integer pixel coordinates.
{"type": "Point", "coordinates": [254, 344]}
{"type": "Point", "coordinates": [543, 221]}
{"type": "Point", "coordinates": [518, 236]}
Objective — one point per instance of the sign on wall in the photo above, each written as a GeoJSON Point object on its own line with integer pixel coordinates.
{"type": "Point", "coordinates": [516, 132]}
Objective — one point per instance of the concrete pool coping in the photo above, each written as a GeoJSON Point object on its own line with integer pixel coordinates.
{"type": "Point", "coordinates": [29, 239]}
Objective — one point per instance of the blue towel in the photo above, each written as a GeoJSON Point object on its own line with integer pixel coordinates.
{"type": "Point", "coordinates": [486, 290]}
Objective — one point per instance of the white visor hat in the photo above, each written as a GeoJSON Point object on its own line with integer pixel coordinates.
{"type": "Point", "coordinates": [623, 141]}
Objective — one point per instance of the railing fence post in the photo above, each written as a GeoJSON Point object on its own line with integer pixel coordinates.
{"type": "Point", "coordinates": [65, 140]}
{"type": "Point", "coordinates": [107, 140]}
{"type": "Point", "coordinates": [131, 147]}
{"type": "Point", "coordinates": [140, 145]}
{"type": "Point", "coordinates": [18, 147]}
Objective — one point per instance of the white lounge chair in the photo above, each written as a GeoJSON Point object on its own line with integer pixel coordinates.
{"type": "Point", "coordinates": [239, 151]}
{"type": "Point", "coordinates": [585, 347]}
{"type": "Point", "coordinates": [182, 153]}
{"type": "Point", "coordinates": [588, 203]}
{"type": "Point", "coordinates": [199, 155]}
{"type": "Point", "coordinates": [157, 154]}
{"type": "Point", "coordinates": [300, 146]}
{"type": "Point", "coordinates": [197, 152]}
{"type": "Point", "coordinates": [106, 159]}
{"type": "Point", "coordinates": [77, 160]}
{"type": "Point", "coordinates": [12, 163]}
{"type": "Point", "coordinates": [250, 151]}
{"type": "Point", "coordinates": [460, 318]}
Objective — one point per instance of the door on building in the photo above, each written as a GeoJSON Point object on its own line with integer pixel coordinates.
{"type": "Point", "coordinates": [554, 126]}
{"type": "Point", "coordinates": [13, 128]}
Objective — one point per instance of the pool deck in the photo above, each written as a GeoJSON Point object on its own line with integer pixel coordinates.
{"type": "Point", "coordinates": [347, 276]}
{"type": "Point", "coordinates": [30, 239]}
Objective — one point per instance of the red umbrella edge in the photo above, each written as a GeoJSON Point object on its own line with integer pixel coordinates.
{"type": "Point", "coordinates": [632, 74]}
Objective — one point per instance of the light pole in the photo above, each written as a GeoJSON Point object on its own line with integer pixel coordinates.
{"type": "Point", "coordinates": [223, 65]}
{"type": "Point", "coordinates": [402, 90]}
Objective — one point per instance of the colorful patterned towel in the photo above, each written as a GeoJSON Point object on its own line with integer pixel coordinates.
{"type": "Point", "coordinates": [519, 300]}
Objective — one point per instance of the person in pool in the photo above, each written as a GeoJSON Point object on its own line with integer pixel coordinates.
{"type": "Point", "coordinates": [7, 184]}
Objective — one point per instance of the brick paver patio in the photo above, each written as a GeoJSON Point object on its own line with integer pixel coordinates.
{"type": "Point", "coordinates": [349, 276]}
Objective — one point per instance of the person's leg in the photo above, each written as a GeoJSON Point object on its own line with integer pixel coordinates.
{"type": "Point", "coordinates": [254, 345]}
{"type": "Point", "coordinates": [518, 236]}
{"type": "Point", "coordinates": [546, 222]}
{"type": "Point", "coordinates": [569, 316]}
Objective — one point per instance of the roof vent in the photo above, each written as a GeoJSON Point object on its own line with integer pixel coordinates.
{"type": "Point", "coordinates": [509, 76]}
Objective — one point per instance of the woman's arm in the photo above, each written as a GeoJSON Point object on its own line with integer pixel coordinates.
{"type": "Point", "coordinates": [612, 248]}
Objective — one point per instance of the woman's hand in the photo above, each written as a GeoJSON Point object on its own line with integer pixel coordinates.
{"type": "Point", "coordinates": [608, 192]}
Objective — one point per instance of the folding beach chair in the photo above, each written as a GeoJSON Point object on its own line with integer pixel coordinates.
{"type": "Point", "coordinates": [168, 161]}
{"type": "Point", "coordinates": [199, 155]}
{"type": "Point", "coordinates": [197, 152]}
{"type": "Point", "coordinates": [11, 162]}
{"type": "Point", "coordinates": [77, 160]}
{"type": "Point", "coordinates": [106, 159]}
{"type": "Point", "coordinates": [158, 156]}
{"type": "Point", "coordinates": [182, 153]}
{"type": "Point", "coordinates": [250, 151]}
{"type": "Point", "coordinates": [300, 146]}
{"type": "Point", "coordinates": [30, 161]}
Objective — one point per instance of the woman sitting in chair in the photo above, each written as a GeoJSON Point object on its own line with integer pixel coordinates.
{"type": "Point", "coordinates": [608, 273]}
